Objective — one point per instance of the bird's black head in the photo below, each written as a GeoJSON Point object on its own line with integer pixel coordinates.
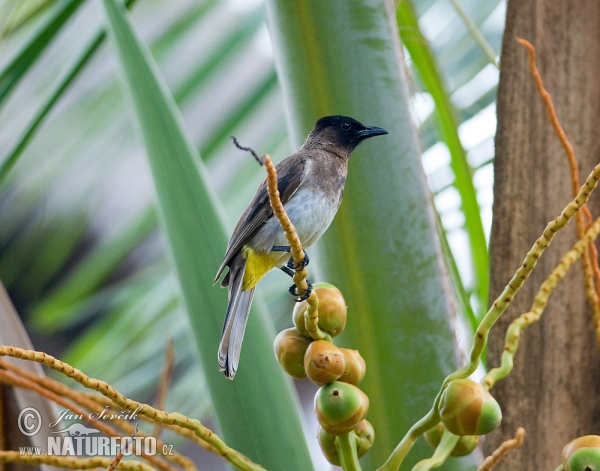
{"type": "Point", "coordinates": [341, 132]}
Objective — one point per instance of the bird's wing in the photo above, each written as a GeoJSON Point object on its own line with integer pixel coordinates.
{"type": "Point", "coordinates": [290, 175]}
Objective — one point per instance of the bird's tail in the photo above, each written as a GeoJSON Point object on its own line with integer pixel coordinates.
{"type": "Point", "coordinates": [235, 319]}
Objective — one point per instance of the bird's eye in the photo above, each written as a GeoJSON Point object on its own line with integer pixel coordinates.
{"type": "Point", "coordinates": [345, 126]}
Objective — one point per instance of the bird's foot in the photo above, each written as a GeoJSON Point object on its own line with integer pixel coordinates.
{"type": "Point", "coordinates": [301, 265]}
{"type": "Point", "coordinates": [297, 297]}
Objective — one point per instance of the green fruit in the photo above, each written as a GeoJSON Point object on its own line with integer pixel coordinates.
{"type": "Point", "coordinates": [466, 444]}
{"type": "Point", "coordinates": [340, 407]}
{"type": "Point", "coordinates": [467, 408]}
{"type": "Point", "coordinates": [327, 443]}
{"type": "Point", "coordinates": [290, 349]}
{"type": "Point", "coordinates": [490, 417]}
{"type": "Point", "coordinates": [363, 433]}
{"type": "Point", "coordinates": [584, 459]}
{"type": "Point", "coordinates": [582, 454]}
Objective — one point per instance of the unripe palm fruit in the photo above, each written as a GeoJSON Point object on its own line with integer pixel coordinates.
{"type": "Point", "coordinates": [466, 444]}
{"type": "Point", "coordinates": [340, 407]}
{"type": "Point", "coordinates": [290, 348]}
{"type": "Point", "coordinates": [327, 443]}
{"type": "Point", "coordinates": [582, 454]}
{"type": "Point", "coordinates": [365, 434]}
{"type": "Point", "coordinates": [355, 369]}
{"type": "Point", "coordinates": [467, 408]}
{"type": "Point", "coordinates": [324, 362]}
{"type": "Point", "coordinates": [332, 310]}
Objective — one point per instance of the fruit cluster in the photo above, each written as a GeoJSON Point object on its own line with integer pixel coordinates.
{"type": "Point", "coordinates": [340, 406]}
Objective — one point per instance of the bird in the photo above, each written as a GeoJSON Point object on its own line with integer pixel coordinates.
{"type": "Point", "coordinates": [311, 186]}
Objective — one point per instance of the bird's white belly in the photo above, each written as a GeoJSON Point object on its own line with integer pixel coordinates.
{"type": "Point", "coordinates": [311, 213]}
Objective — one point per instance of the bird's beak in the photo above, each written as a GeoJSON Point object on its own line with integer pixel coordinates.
{"type": "Point", "coordinates": [371, 132]}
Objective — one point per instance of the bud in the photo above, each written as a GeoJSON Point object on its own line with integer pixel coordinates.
{"type": "Point", "coordinates": [365, 433]}
{"type": "Point", "coordinates": [582, 454]}
{"type": "Point", "coordinates": [467, 408]}
{"type": "Point", "coordinates": [290, 348]}
{"type": "Point", "coordinates": [466, 444]}
{"type": "Point", "coordinates": [355, 369]}
{"type": "Point", "coordinates": [340, 407]}
{"type": "Point", "coordinates": [332, 310]}
{"type": "Point", "coordinates": [323, 362]}
{"type": "Point", "coordinates": [327, 443]}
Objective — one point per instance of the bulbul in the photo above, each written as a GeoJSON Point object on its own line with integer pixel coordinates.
{"type": "Point", "coordinates": [311, 185]}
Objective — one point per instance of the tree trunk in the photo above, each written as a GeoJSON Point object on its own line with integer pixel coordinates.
{"type": "Point", "coordinates": [554, 388]}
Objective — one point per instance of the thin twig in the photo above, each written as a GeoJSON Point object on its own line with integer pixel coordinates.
{"type": "Point", "coordinates": [70, 463]}
{"type": "Point", "coordinates": [589, 260]}
{"type": "Point", "coordinates": [99, 399]}
{"type": "Point", "coordinates": [441, 453]}
{"type": "Point", "coordinates": [117, 459]}
{"type": "Point", "coordinates": [164, 382]}
{"type": "Point", "coordinates": [92, 403]}
{"type": "Point", "coordinates": [513, 333]}
{"type": "Point", "coordinates": [9, 378]}
{"type": "Point", "coordinates": [502, 450]}
{"type": "Point", "coordinates": [120, 400]}
{"type": "Point", "coordinates": [287, 226]}
{"type": "Point", "coordinates": [260, 160]}
{"type": "Point", "coordinates": [312, 316]}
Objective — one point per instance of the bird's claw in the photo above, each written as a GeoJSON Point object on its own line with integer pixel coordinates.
{"type": "Point", "coordinates": [301, 265]}
{"type": "Point", "coordinates": [297, 297]}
